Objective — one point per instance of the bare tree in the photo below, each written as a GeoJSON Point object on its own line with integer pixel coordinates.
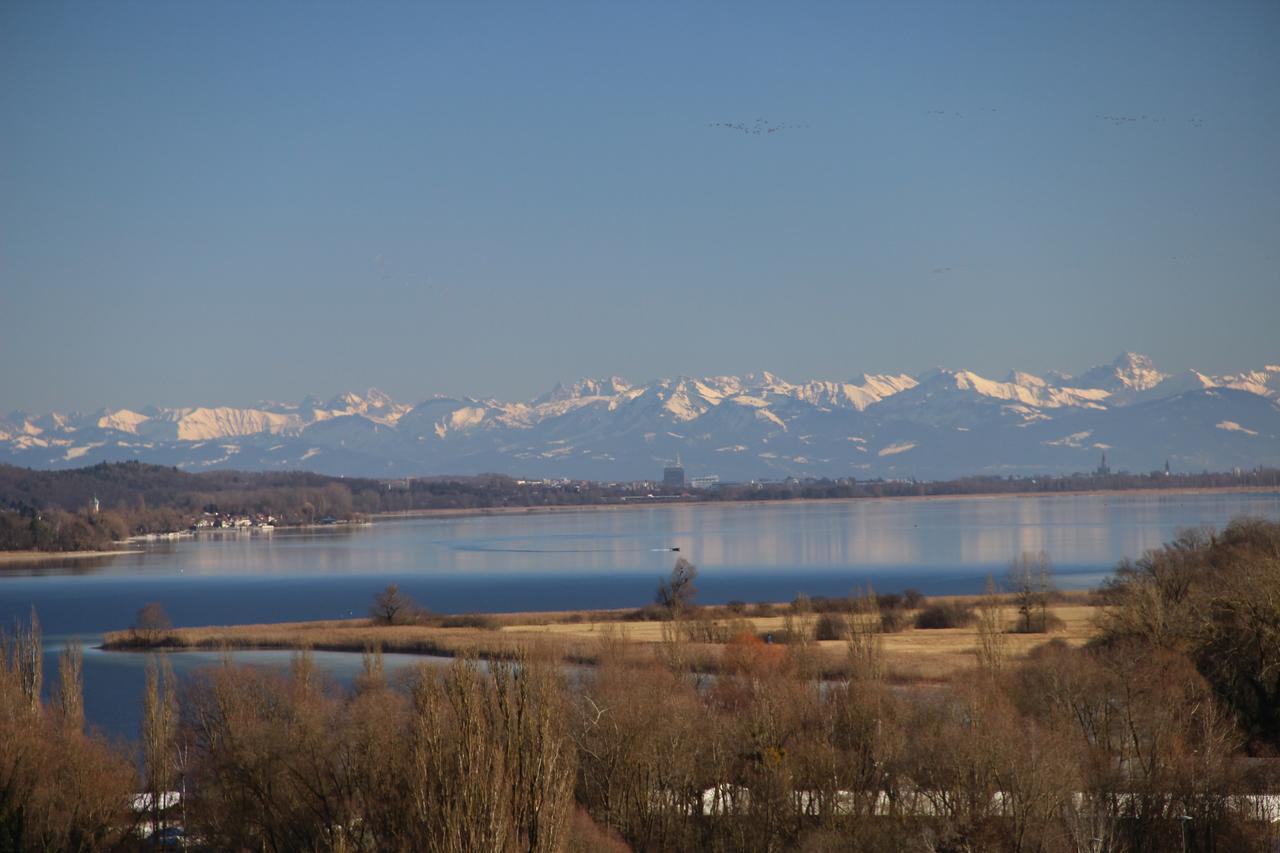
{"type": "Point", "coordinates": [151, 622]}
{"type": "Point", "coordinates": [540, 761]}
{"type": "Point", "coordinates": [372, 675]}
{"type": "Point", "coordinates": [1031, 582]}
{"type": "Point", "coordinates": [992, 648]}
{"type": "Point", "coordinates": [159, 737]}
{"type": "Point", "coordinates": [71, 686]}
{"type": "Point", "coordinates": [29, 653]}
{"type": "Point", "coordinates": [392, 607]}
{"type": "Point", "coordinates": [458, 758]}
{"type": "Point", "coordinates": [677, 592]}
{"type": "Point", "coordinates": [866, 643]}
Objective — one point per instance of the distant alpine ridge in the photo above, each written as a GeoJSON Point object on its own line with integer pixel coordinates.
{"type": "Point", "coordinates": [940, 424]}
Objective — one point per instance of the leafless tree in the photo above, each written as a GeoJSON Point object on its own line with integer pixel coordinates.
{"type": "Point", "coordinates": [866, 641]}
{"type": "Point", "coordinates": [677, 592]}
{"type": "Point", "coordinates": [392, 607]}
{"type": "Point", "coordinates": [71, 686]}
{"type": "Point", "coordinates": [23, 659]}
{"type": "Point", "coordinates": [1031, 582]}
{"type": "Point", "coordinates": [151, 622]}
{"type": "Point", "coordinates": [159, 736]}
{"type": "Point", "coordinates": [992, 648]}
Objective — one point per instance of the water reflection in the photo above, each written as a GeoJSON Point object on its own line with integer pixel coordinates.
{"type": "Point", "coordinates": [612, 558]}
{"type": "Point", "coordinates": [962, 534]}
{"type": "Point", "coordinates": [582, 560]}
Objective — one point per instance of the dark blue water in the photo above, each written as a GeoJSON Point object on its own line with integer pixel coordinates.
{"type": "Point", "coordinates": [589, 559]}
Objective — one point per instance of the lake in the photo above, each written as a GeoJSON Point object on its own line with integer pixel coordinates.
{"type": "Point", "coordinates": [583, 559]}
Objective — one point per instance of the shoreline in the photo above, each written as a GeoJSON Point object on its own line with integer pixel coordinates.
{"type": "Point", "coordinates": [7, 557]}
{"type": "Point", "coordinates": [461, 512]}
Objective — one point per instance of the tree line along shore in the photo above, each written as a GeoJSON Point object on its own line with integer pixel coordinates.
{"type": "Point", "coordinates": [102, 506]}
{"type": "Point", "coordinates": [1156, 729]}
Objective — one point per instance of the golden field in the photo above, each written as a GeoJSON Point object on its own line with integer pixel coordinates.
{"type": "Point", "coordinates": [910, 655]}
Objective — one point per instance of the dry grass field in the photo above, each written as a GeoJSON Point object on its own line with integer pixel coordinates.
{"type": "Point", "coordinates": [910, 655]}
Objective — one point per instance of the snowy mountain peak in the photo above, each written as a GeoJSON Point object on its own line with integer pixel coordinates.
{"type": "Point", "coordinates": [122, 420]}
{"type": "Point", "coordinates": [1027, 380]}
{"type": "Point", "coordinates": [944, 422]}
{"type": "Point", "coordinates": [378, 399]}
{"type": "Point", "coordinates": [584, 388]}
{"type": "Point", "coordinates": [1130, 372]}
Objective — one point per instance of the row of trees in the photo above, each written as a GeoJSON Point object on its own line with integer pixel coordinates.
{"type": "Point", "coordinates": [991, 485]}
{"type": "Point", "coordinates": [57, 530]}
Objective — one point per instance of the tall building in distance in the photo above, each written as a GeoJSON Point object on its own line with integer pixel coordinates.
{"type": "Point", "coordinates": [673, 475]}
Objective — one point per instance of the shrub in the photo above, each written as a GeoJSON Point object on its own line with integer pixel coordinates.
{"type": "Point", "coordinates": [947, 615]}
{"type": "Point", "coordinates": [892, 621]}
{"type": "Point", "coordinates": [889, 601]}
{"type": "Point", "coordinates": [830, 604]}
{"type": "Point", "coordinates": [913, 599]}
{"type": "Point", "coordinates": [831, 626]}
{"type": "Point", "coordinates": [649, 613]}
{"type": "Point", "coordinates": [1040, 623]}
{"type": "Point", "coordinates": [703, 630]}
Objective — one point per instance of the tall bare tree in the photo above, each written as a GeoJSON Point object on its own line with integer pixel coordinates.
{"type": "Point", "coordinates": [993, 643]}
{"type": "Point", "coordinates": [159, 737]}
{"type": "Point", "coordinates": [71, 686]}
{"type": "Point", "coordinates": [27, 651]}
{"type": "Point", "coordinates": [1031, 582]}
{"type": "Point", "coordinates": [866, 641]}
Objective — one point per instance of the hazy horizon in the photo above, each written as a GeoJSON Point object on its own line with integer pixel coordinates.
{"type": "Point", "coordinates": [236, 203]}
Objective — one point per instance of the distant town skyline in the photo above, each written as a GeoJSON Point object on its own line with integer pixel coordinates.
{"type": "Point", "coordinates": [231, 203]}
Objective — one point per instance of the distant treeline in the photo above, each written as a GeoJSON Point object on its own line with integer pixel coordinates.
{"type": "Point", "coordinates": [54, 510]}
{"type": "Point", "coordinates": [817, 489]}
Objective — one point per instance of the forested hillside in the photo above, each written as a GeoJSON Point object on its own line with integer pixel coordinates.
{"type": "Point", "coordinates": [54, 510]}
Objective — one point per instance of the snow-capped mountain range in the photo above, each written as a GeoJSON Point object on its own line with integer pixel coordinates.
{"type": "Point", "coordinates": [940, 424]}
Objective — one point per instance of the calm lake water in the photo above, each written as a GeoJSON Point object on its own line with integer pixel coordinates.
{"type": "Point", "coordinates": [563, 560]}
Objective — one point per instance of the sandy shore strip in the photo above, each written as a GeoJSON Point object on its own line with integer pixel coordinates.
{"type": "Point", "coordinates": [8, 557]}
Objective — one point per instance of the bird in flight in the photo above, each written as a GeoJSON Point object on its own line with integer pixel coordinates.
{"type": "Point", "coordinates": [759, 127]}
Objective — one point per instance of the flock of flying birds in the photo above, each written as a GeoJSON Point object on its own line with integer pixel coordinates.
{"type": "Point", "coordinates": [759, 127]}
{"type": "Point", "coordinates": [946, 114]}
{"type": "Point", "coordinates": [763, 127]}
{"type": "Point", "coordinates": [1119, 121]}
{"type": "Point", "coordinates": [1116, 120]}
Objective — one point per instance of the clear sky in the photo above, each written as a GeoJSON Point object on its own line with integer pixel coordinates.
{"type": "Point", "coordinates": [223, 202]}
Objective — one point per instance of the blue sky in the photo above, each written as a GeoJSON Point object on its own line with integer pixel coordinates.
{"type": "Point", "coordinates": [227, 202]}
